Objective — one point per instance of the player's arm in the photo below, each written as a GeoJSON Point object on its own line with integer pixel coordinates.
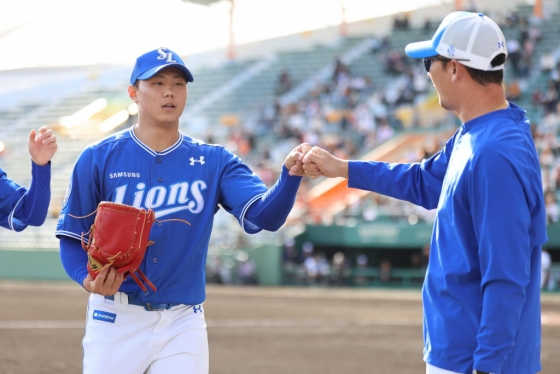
{"type": "Point", "coordinates": [74, 260]}
{"type": "Point", "coordinates": [32, 209]}
{"type": "Point", "coordinates": [271, 210]}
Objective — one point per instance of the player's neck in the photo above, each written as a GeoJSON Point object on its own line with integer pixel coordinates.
{"type": "Point", "coordinates": [156, 138]}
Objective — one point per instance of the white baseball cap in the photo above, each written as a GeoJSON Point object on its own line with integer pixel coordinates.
{"type": "Point", "coordinates": [471, 38]}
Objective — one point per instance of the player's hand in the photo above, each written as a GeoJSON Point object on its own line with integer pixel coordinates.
{"type": "Point", "coordinates": [319, 162]}
{"type": "Point", "coordinates": [42, 145]}
{"type": "Point", "coordinates": [107, 282]}
{"type": "Point", "coordinates": [294, 160]}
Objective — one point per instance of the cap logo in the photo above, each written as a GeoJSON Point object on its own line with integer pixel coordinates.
{"type": "Point", "coordinates": [167, 56]}
{"type": "Point", "coordinates": [501, 44]}
{"type": "Point", "coordinates": [451, 51]}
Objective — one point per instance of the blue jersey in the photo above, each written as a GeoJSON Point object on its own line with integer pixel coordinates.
{"type": "Point", "coordinates": [186, 181]}
{"type": "Point", "coordinates": [20, 207]}
{"type": "Point", "coordinates": [482, 288]}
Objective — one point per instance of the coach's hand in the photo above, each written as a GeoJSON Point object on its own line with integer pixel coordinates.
{"type": "Point", "coordinates": [319, 162]}
{"type": "Point", "coordinates": [294, 160]}
{"type": "Point", "coordinates": [107, 282]}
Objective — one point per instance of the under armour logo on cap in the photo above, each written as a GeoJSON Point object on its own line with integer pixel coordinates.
{"type": "Point", "coordinates": [151, 62]}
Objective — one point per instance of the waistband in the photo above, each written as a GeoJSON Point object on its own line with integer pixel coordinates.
{"type": "Point", "coordinates": [149, 306]}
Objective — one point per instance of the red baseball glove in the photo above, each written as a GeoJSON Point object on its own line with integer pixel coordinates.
{"type": "Point", "coordinates": [119, 238]}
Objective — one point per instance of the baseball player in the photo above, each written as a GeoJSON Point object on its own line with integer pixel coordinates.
{"type": "Point", "coordinates": [481, 294]}
{"type": "Point", "coordinates": [153, 165]}
{"type": "Point", "coordinates": [20, 207]}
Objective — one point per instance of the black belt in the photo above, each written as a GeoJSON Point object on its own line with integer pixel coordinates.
{"type": "Point", "coordinates": [148, 306]}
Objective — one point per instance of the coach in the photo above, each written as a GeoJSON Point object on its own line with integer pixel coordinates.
{"type": "Point", "coordinates": [481, 292]}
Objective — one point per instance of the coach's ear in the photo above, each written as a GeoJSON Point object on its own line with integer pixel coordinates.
{"type": "Point", "coordinates": [132, 93]}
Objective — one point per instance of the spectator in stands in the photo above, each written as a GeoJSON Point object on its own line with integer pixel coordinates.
{"type": "Point", "coordinates": [514, 55]}
{"type": "Point", "coordinates": [340, 71]}
{"type": "Point", "coordinates": [552, 208]}
{"type": "Point", "coordinates": [547, 62]}
{"type": "Point", "coordinates": [340, 268]}
{"type": "Point", "coordinates": [19, 206]}
{"type": "Point", "coordinates": [427, 25]}
{"type": "Point", "coordinates": [362, 276]}
{"type": "Point", "coordinates": [291, 260]}
{"type": "Point", "coordinates": [213, 268]}
{"type": "Point", "coordinates": [546, 261]}
{"type": "Point", "coordinates": [550, 98]}
{"type": "Point", "coordinates": [284, 82]}
{"type": "Point", "coordinates": [513, 91]}
{"type": "Point", "coordinates": [536, 98]}
{"type": "Point", "coordinates": [385, 270]}
{"type": "Point", "coordinates": [247, 269]}
{"type": "Point", "coordinates": [494, 232]}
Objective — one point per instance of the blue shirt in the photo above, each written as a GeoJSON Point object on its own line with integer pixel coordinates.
{"type": "Point", "coordinates": [188, 181]}
{"type": "Point", "coordinates": [481, 294]}
{"type": "Point", "coordinates": [20, 207]}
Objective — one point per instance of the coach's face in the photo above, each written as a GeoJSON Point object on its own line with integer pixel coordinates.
{"type": "Point", "coordinates": [441, 74]}
{"type": "Point", "coordinates": [162, 98]}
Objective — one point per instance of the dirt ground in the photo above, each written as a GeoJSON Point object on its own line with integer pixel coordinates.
{"type": "Point", "coordinates": [251, 330]}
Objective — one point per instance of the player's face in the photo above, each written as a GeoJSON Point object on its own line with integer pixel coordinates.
{"type": "Point", "coordinates": [162, 98]}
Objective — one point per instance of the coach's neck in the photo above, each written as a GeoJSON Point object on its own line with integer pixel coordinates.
{"type": "Point", "coordinates": [157, 137]}
{"type": "Point", "coordinates": [477, 100]}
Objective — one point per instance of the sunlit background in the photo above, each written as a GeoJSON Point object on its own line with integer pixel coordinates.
{"type": "Point", "coordinates": [268, 75]}
{"type": "Point", "coordinates": [38, 33]}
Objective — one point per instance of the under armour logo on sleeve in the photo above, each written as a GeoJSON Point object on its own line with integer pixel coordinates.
{"type": "Point", "coordinates": [201, 161]}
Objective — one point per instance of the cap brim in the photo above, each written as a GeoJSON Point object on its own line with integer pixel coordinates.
{"type": "Point", "coordinates": [150, 73]}
{"type": "Point", "coordinates": [421, 49]}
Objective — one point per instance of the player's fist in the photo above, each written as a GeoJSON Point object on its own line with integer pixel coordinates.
{"type": "Point", "coordinates": [42, 145]}
{"type": "Point", "coordinates": [107, 282]}
{"type": "Point", "coordinates": [293, 162]}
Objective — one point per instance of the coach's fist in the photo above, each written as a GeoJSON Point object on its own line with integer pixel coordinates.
{"type": "Point", "coordinates": [294, 160]}
{"type": "Point", "coordinates": [107, 282]}
{"type": "Point", "coordinates": [319, 162]}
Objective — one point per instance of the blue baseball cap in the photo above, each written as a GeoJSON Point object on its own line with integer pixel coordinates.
{"type": "Point", "coordinates": [150, 63]}
{"type": "Point", "coordinates": [471, 38]}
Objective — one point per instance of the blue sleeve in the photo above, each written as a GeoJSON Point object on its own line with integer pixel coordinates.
{"type": "Point", "coordinates": [81, 199]}
{"type": "Point", "coordinates": [33, 208]}
{"type": "Point", "coordinates": [418, 183]}
{"type": "Point", "coordinates": [239, 189]}
{"type": "Point", "coordinates": [271, 210]}
{"type": "Point", "coordinates": [501, 220]}
{"type": "Point", "coordinates": [74, 259]}
{"type": "Point", "coordinates": [11, 194]}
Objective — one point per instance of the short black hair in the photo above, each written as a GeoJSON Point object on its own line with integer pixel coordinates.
{"type": "Point", "coordinates": [483, 77]}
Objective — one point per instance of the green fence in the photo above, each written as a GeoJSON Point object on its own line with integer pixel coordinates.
{"type": "Point", "coordinates": [387, 235]}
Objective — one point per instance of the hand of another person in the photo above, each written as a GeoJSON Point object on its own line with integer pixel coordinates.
{"type": "Point", "coordinates": [293, 162]}
{"type": "Point", "coordinates": [319, 162]}
{"type": "Point", "coordinates": [107, 282]}
{"type": "Point", "coordinates": [42, 145]}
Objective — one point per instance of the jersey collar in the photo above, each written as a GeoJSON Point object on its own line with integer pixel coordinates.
{"type": "Point", "coordinates": [150, 151]}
